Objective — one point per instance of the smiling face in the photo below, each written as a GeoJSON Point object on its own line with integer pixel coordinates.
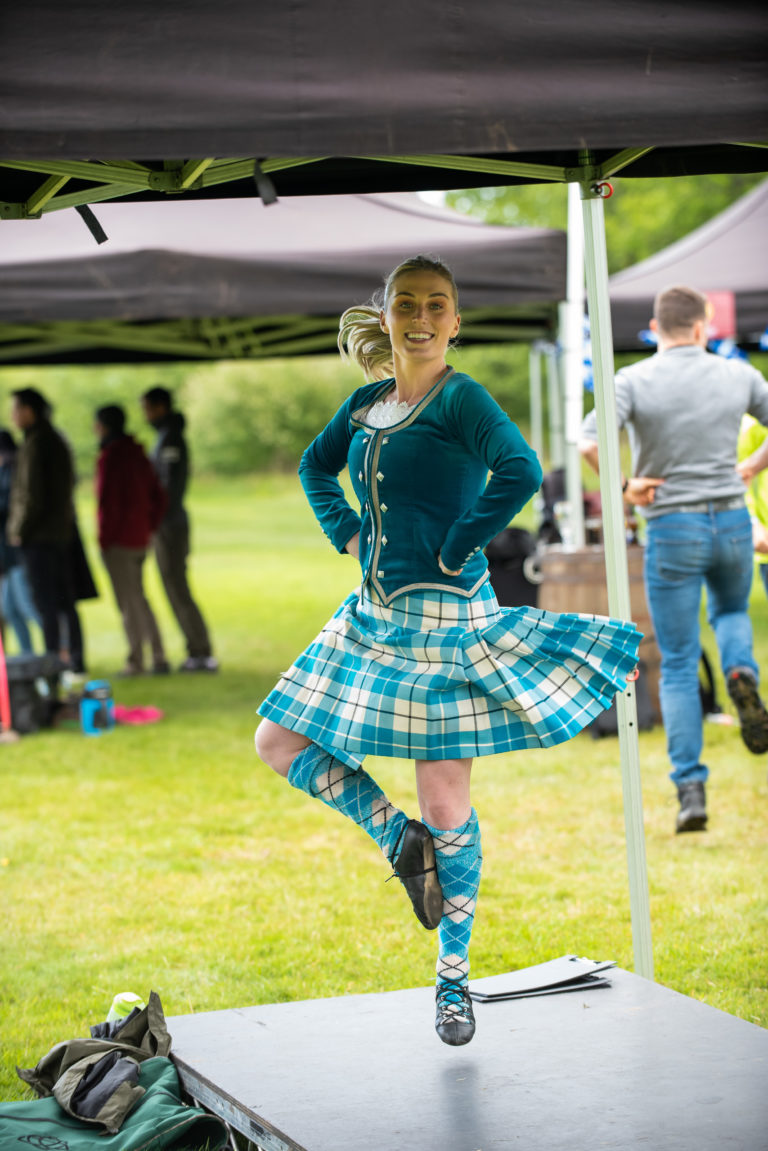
{"type": "Point", "coordinates": [420, 318]}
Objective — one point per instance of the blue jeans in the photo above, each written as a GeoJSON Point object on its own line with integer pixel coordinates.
{"type": "Point", "coordinates": [686, 550]}
{"type": "Point", "coordinates": [18, 607]}
{"type": "Point", "coordinates": [763, 569]}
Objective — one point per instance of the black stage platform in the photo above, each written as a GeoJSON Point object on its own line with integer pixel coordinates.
{"type": "Point", "coordinates": [631, 1066]}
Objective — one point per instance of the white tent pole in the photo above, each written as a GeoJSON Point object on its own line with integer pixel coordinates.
{"type": "Point", "coordinates": [537, 416]}
{"type": "Point", "coordinates": [555, 405]}
{"type": "Point", "coordinates": [617, 575]}
{"type": "Point", "coordinates": [534, 393]}
{"type": "Point", "coordinates": [572, 334]}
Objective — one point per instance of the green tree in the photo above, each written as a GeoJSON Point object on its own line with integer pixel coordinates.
{"type": "Point", "coordinates": [247, 416]}
{"type": "Point", "coordinates": [642, 216]}
{"type": "Point", "coordinates": [75, 392]}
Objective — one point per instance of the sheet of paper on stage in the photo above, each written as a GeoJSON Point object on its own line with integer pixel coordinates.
{"type": "Point", "coordinates": [567, 973]}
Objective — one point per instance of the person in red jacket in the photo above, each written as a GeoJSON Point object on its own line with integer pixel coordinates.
{"type": "Point", "coordinates": [131, 504]}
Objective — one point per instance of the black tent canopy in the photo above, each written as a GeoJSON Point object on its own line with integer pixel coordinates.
{"type": "Point", "coordinates": [234, 278]}
{"type": "Point", "coordinates": [727, 254]}
{"type": "Point", "coordinates": [146, 100]}
{"type": "Point", "coordinates": [319, 79]}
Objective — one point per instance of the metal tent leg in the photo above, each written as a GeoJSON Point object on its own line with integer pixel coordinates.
{"type": "Point", "coordinates": [535, 400]}
{"type": "Point", "coordinates": [616, 562]}
{"type": "Point", "coordinates": [572, 338]}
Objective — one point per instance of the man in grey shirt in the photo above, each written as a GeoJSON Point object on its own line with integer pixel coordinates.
{"type": "Point", "coordinates": [682, 408]}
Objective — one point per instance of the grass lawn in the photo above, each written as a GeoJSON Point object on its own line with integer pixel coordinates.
{"type": "Point", "coordinates": [168, 857]}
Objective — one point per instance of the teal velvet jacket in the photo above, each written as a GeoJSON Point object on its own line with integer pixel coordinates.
{"type": "Point", "coordinates": [421, 485]}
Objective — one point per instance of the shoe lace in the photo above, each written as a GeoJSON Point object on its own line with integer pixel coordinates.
{"type": "Point", "coordinates": [405, 874]}
{"type": "Point", "coordinates": [409, 874]}
{"type": "Point", "coordinates": [453, 1000]}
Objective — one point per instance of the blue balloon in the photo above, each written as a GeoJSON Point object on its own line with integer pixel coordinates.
{"type": "Point", "coordinates": [728, 349]}
{"type": "Point", "coordinates": [587, 375]}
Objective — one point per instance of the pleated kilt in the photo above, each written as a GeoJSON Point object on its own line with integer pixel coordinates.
{"type": "Point", "coordinates": [434, 675]}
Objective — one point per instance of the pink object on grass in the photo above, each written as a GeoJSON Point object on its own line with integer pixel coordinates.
{"type": "Point", "coordinates": [137, 714]}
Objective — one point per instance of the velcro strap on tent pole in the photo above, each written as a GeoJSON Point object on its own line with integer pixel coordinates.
{"type": "Point", "coordinates": [91, 223]}
{"type": "Point", "coordinates": [264, 185]}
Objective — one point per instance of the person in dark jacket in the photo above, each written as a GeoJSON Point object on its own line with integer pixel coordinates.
{"type": "Point", "coordinates": [41, 517]}
{"type": "Point", "coordinates": [16, 596]}
{"type": "Point", "coordinates": [170, 458]}
{"type": "Point", "coordinates": [131, 503]}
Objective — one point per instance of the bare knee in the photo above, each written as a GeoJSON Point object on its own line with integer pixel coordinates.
{"type": "Point", "coordinates": [278, 746]}
{"type": "Point", "coordinates": [443, 791]}
{"type": "Point", "coordinates": [446, 813]}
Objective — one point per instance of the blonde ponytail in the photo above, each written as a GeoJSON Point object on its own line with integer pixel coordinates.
{"type": "Point", "coordinates": [362, 341]}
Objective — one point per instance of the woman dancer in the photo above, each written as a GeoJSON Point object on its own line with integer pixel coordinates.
{"type": "Point", "coordinates": [421, 662]}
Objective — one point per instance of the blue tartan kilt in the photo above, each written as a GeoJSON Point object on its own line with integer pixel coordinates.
{"type": "Point", "coordinates": [434, 675]}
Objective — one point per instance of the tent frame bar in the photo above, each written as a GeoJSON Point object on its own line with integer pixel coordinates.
{"type": "Point", "coordinates": [121, 178]}
{"type": "Point", "coordinates": [229, 337]}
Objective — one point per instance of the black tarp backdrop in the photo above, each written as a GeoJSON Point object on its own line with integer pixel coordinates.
{"type": "Point", "coordinates": [727, 254]}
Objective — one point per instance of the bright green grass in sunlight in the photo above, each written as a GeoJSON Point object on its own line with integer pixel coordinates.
{"type": "Point", "coordinates": [167, 857]}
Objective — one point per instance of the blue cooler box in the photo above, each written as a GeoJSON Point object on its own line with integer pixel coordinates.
{"type": "Point", "coordinates": [97, 707]}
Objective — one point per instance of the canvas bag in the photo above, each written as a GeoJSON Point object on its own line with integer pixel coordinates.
{"type": "Point", "coordinates": [159, 1122]}
{"type": "Point", "coordinates": [96, 1080]}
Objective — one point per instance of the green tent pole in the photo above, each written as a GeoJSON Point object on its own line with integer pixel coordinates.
{"type": "Point", "coordinates": [617, 575]}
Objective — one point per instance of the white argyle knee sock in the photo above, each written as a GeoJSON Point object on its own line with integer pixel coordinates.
{"type": "Point", "coordinates": [459, 860]}
{"type": "Point", "coordinates": [351, 791]}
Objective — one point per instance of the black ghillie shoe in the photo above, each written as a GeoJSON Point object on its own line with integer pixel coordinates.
{"type": "Point", "coordinates": [753, 716]}
{"type": "Point", "coordinates": [454, 1017]}
{"type": "Point", "coordinates": [413, 862]}
{"type": "Point", "coordinates": [692, 815]}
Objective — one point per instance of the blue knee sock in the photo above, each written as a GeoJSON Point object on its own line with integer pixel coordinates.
{"type": "Point", "coordinates": [459, 860]}
{"type": "Point", "coordinates": [351, 791]}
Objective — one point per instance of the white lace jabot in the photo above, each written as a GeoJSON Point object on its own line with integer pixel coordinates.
{"type": "Point", "coordinates": [387, 413]}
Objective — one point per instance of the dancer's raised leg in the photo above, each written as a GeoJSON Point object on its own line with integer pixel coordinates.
{"type": "Point", "coordinates": [406, 843]}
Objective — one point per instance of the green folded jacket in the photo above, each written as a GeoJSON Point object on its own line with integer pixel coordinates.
{"type": "Point", "coordinates": [159, 1121]}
